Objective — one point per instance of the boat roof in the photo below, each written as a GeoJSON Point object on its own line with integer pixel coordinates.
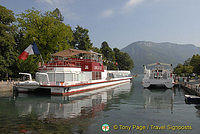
{"type": "Point", "coordinates": [72, 52]}
{"type": "Point", "coordinates": [158, 63]}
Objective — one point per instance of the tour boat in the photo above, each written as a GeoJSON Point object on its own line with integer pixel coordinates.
{"type": "Point", "coordinates": [74, 71]}
{"type": "Point", "coordinates": [158, 74]}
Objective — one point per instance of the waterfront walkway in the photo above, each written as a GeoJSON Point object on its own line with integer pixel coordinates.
{"type": "Point", "coordinates": [191, 86]}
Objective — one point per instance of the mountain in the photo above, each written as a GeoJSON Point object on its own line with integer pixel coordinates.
{"type": "Point", "coordinates": [146, 52]}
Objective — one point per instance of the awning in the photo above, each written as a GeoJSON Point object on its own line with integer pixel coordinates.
{"type": "Point", "coordinates": [71, 52]}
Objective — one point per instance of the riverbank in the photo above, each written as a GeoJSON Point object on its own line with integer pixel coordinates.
{"type": "Point", "coordinates": [6, 86]}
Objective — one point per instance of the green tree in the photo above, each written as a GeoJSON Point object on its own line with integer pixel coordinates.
{"type": "Point", "coordinates": [108, 56]}
{"type": "Point", "coordinates": [188, 70]}
{"type": "Point", "coordinates": [107, 52]}
{"type": "Point", "coordinates": [57, 14]}
{"type": "Point", "coordinates": [96, 49]}
{"type": "Point", "coordinates": [81, 39]}
{"type": "Point", "coordinates": [183, 70]}
{"type": "Point", "coordinates": [124, 61]}
{"type": "Point", "coordinates": [195, 62]}
{"type": "Point", "coordinates": [8, 53]}
{"type": "Point", "coordinates": [178, 69]}
{"type": "Point", "coordinates": [187, 62]}
{"type": "Point", "coordinates": [51, 35]}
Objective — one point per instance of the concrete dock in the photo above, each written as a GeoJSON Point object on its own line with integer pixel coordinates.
{"type": "Point", "coordinates": [193, 87]}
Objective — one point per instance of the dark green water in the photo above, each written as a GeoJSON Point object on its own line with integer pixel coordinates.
{"type": "Point", "coordinates": [125, 105]}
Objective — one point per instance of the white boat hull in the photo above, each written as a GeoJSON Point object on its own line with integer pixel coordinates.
{"type": "Point", "coordinates": [28, 88]}
{"type": "Point", "coordinates": [157, 82]}
{"type": "Point", "coordinates": [74, 89]}
{"type": "Point", "coordinates": [158, 74]}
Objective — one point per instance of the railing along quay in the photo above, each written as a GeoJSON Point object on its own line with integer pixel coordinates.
{"type": "Point", "coordinates": [193, 87]}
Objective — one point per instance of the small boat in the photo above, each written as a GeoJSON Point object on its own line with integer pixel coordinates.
{"type": "Point", "coordinates": [28, 85]}
{"type": "Point", "coordinates": [192, 99]}
{"type": "Point", "coordinates": [158, 74]}
{"type": "Point", "coordinates": [74, 71]}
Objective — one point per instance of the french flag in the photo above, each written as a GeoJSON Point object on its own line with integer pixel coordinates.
{"type": "Point", "coordinates": [31, 49]}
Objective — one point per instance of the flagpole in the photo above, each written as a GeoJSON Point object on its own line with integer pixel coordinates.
{"type": "Point", "coordinates": [40, 53]}
{"type": "Point", "coordinates": [42, 59]}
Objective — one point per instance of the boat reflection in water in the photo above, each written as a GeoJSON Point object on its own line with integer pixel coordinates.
{"type": "Point", "coordinates": [68, 106]}
{"type": "Point", "coordinates": [198, 109]}
{"type": "Point", "coordinates": [158, 99]}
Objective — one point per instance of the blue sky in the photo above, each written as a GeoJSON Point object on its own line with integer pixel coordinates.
{"type": "Point", "coordinates": [121, 22]}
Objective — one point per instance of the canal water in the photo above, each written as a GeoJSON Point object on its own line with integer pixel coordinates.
{"type": "Point", "coordinates": [122, 109]}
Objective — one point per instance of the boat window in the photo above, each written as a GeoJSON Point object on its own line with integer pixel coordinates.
{"type": "Point", "coordinates": [51, 77]}
{"type": "Point", "coordinates": [96, 75]}
{"type": "Point", "coordinates": [110, 75]}
{"type": "Point", "coordinates": [59, 77]}
{"type": "Point", "coordinates": [68, 76]}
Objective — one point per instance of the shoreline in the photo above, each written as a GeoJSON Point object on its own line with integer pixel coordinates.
{"type": "Point", "coordinates": [6, 86]}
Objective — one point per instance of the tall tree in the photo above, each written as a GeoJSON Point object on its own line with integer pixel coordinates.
{"type": "Point", "coordinates": [183, 70]}
{"type": "Point", "coordinates": [124, 61]}
{"type": "Point", "coordinates": [107, 52]}
{"type": "Point", "coordinates": [108, 56]}
{"type": "Point", "coordinates": [51, 35]}
{"type": "Point", "coordinates": [57, 14]}
{"type": "Point", "coordinates": [81, 39]}
{"type": "Point", "coordinates": [195, 62]}
{"type": "Point", "coordinates": [96, 49]}
{"type": "Point", "coordinates": [7, 43]}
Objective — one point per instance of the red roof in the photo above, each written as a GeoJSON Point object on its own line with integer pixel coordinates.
{"type": "Point", "coordinates": [71, 52]}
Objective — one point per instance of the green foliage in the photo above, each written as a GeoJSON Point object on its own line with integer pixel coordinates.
{"type": "Point", "coordinates": [115, 59]}
{"type": "Point", "coordinates": [30, 65]}
{"type": "Point", "coordinates": [81, 39]}
{"type": "Point", "coordinates": [107, 52]}
{"type": "Point", "coordinates": [191, 65]}
{"type": "Point", "coordinates": [183, 70]}
{"type": "Point", "coordinates": [7, 42]}
{"type": "Point", "coordinates": [47, 30]}
{"type": "Point", "coordinates": [57, 14]}
{"type": "Point", "coordinates": [96, 49]}
{"type": "Point", "coordinates": [108, 56]}
{"type": "Point", "coordinates": [51, 35]}
{"type": "Point", "coordinates": [195, 62]}
{"type": "Point", "coordinates": [187, 62]}
{"type": "Point", "coordinates": [123, 60]}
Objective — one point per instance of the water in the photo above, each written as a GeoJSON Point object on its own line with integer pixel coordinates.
{"type": "Point", "coordinates": [124, 105]}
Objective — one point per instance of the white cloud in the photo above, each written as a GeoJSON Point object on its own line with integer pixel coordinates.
{"type": "Point", "coordinates": [46, 1]}
{"type": "Point", "coordinates": [130, 4]}
{"type": "Point", "coordinates": [55, 2]}
{"type": "Point", "coordinates": [62, 5]}
{"type": "Point", "coordinates": [107, 13]}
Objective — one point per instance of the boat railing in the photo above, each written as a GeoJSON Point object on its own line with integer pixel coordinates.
{"type": "Point", "coordinates": [72, 62]}
{"type": "Point", "coordinates": [64, 64]}
{"type": "Point", "coordinates": [54, 83]}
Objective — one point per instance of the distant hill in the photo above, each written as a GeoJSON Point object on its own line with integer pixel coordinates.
{"type": "Point", "coordinates": [145, 52]}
